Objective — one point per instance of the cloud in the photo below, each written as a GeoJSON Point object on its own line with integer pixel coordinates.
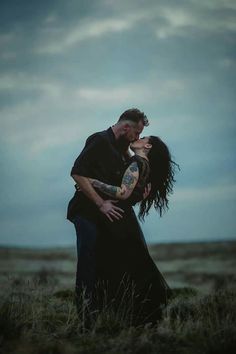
{"type": "Point", "coordinates": [41, 125]}
{"type": "Point", "coordinates": [217, 4]}
{"type": "Point", "coordinates": [165, 21]}
{"type": "Point", "coordinates": [22, 82]}
{"type": "Point", "coordinates": [59, 113]}
{"type": "Point", "coordinates": [207, 193]}
{"type": "Point", "coordinates": [184, 21]}
{"type": "Point", "coordinates": [90, 28]}
{"type": "Point", "coordinates": [6, 38]}
{"type": "Point", "coordinates": [54, 35]}
{"type": "Point", "coordinates": [7, 41]}
{"type": "Point", "coordinates": [115, 55]}
{"type": "Point", "coordinates": [142, 93]}
{"type": "Point", "coordinates": [227, 63]}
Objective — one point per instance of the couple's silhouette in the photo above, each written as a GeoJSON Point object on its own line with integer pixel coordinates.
{"type": "Point", "coordinates": [113, 258]}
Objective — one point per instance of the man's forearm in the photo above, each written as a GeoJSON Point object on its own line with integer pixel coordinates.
{"type": "Point", "coordinates": [88, 190]}
{"type": "Point", "coordinates": [113, 191]}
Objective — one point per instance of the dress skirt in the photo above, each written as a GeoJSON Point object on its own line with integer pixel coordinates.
{"type": "Point", "coordinates": [126, 273]}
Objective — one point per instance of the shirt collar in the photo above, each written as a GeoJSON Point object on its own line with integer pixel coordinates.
{"type": "Point", "coordinates": [111, 136]}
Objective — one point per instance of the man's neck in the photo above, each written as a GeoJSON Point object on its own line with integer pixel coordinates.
{"type": "Point", "coordinates": [116, 131]}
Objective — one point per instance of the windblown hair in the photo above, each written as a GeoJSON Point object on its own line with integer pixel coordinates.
{"type": "Point", "coordinates": [162, 171]}
{"type": "Point", "coordinates": [134, 115]}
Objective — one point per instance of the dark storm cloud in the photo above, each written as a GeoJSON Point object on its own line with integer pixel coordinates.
{"type": "Point", "coordinates": [69, 68]}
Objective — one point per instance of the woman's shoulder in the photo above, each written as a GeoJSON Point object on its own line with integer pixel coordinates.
{"type": "Point", "coordinates": [144, 168]}
{"type": "Point", "coordinates": [139, 160]}
{"type": "Point", "coordinates": [134, 158]}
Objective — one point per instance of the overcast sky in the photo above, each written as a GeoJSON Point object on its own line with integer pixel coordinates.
{"type": "Point", "coordinates": [70, 68]}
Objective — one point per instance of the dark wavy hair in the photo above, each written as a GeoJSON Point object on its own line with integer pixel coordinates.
{"type": "Point", "coordinates": [162, 171]}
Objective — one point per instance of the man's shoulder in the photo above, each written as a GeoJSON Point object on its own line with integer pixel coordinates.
{"type": "Point", "coordinates": [101, 136]}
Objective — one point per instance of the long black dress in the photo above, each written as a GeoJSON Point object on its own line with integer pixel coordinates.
{"type": "Point", "coordinates": [125, 269]}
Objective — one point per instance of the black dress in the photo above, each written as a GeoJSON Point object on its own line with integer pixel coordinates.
{"type": "Point", "coordinates": [126, 272]}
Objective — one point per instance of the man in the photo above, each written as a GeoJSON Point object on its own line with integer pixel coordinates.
{"type": "Point", "coordinates": [104, 157]}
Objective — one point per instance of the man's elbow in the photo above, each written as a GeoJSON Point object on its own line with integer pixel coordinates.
{"type": "Point", "coordinates": [77, 178]}
{"type": "Point", "coordinates": [74, 176]}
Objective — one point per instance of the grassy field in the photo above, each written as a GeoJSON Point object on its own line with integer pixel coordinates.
{"type": "Point", "coordinates": [38, 312]}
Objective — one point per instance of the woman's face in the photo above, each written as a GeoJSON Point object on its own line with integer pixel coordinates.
{"type": "Point", "coordinates": [140, 143]}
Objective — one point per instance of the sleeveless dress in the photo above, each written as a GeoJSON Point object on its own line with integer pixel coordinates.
{"type": "Point", "coordinates": [126, 273]}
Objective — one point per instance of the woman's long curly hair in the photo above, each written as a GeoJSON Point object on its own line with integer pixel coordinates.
{"type": "Point", "coordinates": [162, 171]}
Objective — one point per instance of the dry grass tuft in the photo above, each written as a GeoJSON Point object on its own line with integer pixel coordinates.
{"type": "Point", "coordinates": [34, 318]}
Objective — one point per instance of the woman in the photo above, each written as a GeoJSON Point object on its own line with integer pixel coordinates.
{"type": "Point", "coordinates": [123, 261]}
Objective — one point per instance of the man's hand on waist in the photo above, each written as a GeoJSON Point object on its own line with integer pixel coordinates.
{"type": "Point", "coordinates": [110, 210]}
{"type": "Point", "coordinates": [107, 208]}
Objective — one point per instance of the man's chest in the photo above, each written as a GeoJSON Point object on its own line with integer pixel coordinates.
{"type": "Point", "coordinates": [111, 166]}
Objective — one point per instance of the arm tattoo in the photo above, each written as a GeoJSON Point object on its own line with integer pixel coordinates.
{"type": "Point", "coordinates": [105, 188]}
{"type": "Point", "coordinates": [134, 167]}
{"type": "Point", "coordinates": [129, 181]}
{"type": "Point", "coordinates": [130, 177]}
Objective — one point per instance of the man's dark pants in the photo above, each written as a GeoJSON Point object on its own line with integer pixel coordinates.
{"type": "Point", "coordinates": [86, 232]}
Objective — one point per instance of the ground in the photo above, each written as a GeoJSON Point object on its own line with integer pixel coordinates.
{"type": "Point", "coordinates": [38, 312]}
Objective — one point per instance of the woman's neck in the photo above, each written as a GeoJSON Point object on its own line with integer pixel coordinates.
{"type": "Point", "coordinates": [141, 154]}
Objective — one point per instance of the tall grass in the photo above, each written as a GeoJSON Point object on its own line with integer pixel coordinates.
{"type": "Point", "coordinates": [36, 318]}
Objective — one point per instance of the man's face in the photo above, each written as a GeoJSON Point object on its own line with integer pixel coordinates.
{"type": "Point", "coordinates": [133, 131]}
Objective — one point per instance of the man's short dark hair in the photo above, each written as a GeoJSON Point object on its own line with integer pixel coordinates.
{"type": "Point", "coordinates": [134, 115]}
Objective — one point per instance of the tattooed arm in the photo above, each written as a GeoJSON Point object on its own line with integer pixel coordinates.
{"type": "Point", "coordinates": [128, 183]}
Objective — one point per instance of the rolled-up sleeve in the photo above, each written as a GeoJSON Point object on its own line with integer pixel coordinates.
{"type": "Point", "coordinates": [90, 156]}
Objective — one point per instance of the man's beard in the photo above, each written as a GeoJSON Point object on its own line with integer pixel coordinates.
{"type": "Point", "coordinates": [122, 144]}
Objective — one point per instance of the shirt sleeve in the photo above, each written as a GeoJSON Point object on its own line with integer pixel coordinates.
{"type": "Point", "coordinates": [90, 156]}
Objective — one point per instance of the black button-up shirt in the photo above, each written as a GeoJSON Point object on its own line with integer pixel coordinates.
{"type": "Point", "coordinates": [102, 158]}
